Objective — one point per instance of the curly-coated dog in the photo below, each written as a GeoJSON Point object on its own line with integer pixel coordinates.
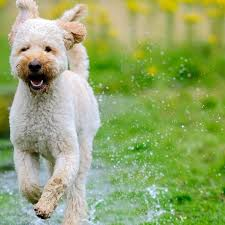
{"type": "Point", "coordinates": [54, 112]}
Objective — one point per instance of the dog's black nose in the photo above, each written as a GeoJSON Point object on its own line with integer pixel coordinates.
{"type": "Point", "coordinates": [34, 66]}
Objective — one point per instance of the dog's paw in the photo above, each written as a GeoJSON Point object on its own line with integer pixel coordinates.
{"type": "Point", "coordinates": [43, 211]}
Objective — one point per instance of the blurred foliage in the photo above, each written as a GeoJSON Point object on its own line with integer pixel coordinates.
{"type": "Point", "coordinates": [5, 102]}
{"type": "Point", "coordinates": [59, 8]}
{"type": "Point", "coordinates": [137, 65]}
{"type": "Point", "coordinates": [148, 65]}
{"type": "Point", "coordinates": [187, 12]}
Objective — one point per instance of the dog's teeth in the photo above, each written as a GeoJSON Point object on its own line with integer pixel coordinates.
{"type": "Point", "coordinates": [37, 85]}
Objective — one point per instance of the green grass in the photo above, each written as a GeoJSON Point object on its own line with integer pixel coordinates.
{"type": "Point", "coordinates": [4, 62]}
{"type": "Point", "coordinates": [173, 133]}
{"type": "Point", "coordinates": [164, 142]}
{"type": "Point", "coordinates": [6, 163]}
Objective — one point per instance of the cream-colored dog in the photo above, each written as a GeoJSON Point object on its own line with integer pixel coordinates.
{"type": "Point", "coordinates": [54, 113]}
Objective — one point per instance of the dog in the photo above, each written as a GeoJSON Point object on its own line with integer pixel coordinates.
{"type": "Point", "coordinates": [54, 113]}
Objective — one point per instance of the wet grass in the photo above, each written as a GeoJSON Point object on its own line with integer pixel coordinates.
{"type": "Point", "coordinates": [159, 159]}
{"type": "Point", "coordinates": [6, 161]}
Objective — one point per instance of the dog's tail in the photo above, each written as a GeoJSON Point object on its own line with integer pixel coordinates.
{"type": "Point", "coordinates": [78, 58]}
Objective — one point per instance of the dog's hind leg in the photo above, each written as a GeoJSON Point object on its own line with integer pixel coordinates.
{"type": "Point", "coordinates": [50, 167]}
{"type": "Point", "coordinates": [76, 211]}
{"type": "Point", "coordinates": [27, 167]}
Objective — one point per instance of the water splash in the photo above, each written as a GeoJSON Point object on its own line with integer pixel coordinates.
{"type": "Point", "coordinates": [156, 208]}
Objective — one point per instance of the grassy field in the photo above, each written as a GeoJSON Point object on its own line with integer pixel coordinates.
{"type": "Point", "coordinates": [159, 159]}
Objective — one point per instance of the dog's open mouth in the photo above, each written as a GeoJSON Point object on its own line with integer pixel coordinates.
{"type": "Point", "coordinates": [37, 82]}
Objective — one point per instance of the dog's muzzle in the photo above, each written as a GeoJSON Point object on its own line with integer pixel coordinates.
{"type": "Point", "coordinates": [37, 82]}
{"type": "Point", "coordinates": [36, 79]}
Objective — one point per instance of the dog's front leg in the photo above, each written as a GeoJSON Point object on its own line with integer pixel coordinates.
{"type": "Point", "coordinates": [27, 168]}
{"type": "Point", "coordinates": [66, 167]}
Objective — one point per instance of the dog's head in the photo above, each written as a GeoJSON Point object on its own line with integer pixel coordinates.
{"type": "Point", "coordinates": [39, 46]}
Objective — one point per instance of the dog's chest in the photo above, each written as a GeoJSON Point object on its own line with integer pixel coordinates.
{"type": "Point", "coordinates": [34, 131]}
{"type": "Point", "coordinates": [38, 127]}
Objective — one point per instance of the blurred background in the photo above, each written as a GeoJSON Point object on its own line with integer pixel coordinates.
{"type": "Point", "coordinates": [158, 69]}
{"type": "Point", "coordinates": [135, 45]}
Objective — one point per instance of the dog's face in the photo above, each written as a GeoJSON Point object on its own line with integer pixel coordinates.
{"type": "Point", "coordinates": [39, 47]}
{"type": "Point", "coordinates": [38, 53]}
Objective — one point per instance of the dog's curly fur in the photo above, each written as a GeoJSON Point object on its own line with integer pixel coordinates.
{"type": "Point", "coordinates": [54, 112]}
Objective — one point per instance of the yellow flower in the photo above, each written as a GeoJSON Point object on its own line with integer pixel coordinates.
{"type": "Point", "coordinates": [189, 1]}
{"type": "Point", "coordinates": [152, 71]}
{"type": "Point", "coordinates": [168, 5]}
{"type": "Point", "coordinates": [135, 6]}
{"type": "Point", "coordinates": [113, 33]}
{"type": "Point", "coordinates": [139, 54]}
{"type": "Point", "coordinates": [212, 39]}
{"type": "Point", "coordinates": [192, 18]}
{"type": "Point", "coordinates": [207, 2]}
{"type": "Point", "coordinates": [2, 3]}
{"type": "Point", "coordinates": [221, 2]}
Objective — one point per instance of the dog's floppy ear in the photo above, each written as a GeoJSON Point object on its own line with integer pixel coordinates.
{"type": "Point", "coordinates": [74, 33]}
{"type": "Point", "coordinates": [28, 9]}
{"type": "Point", "coordinates": [75, 14]}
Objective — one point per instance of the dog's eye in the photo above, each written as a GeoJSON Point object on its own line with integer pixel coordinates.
{"type": "Point", "coordinates": [48, 49]}
{"type": "Point", "coordinates": [24, 49]}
